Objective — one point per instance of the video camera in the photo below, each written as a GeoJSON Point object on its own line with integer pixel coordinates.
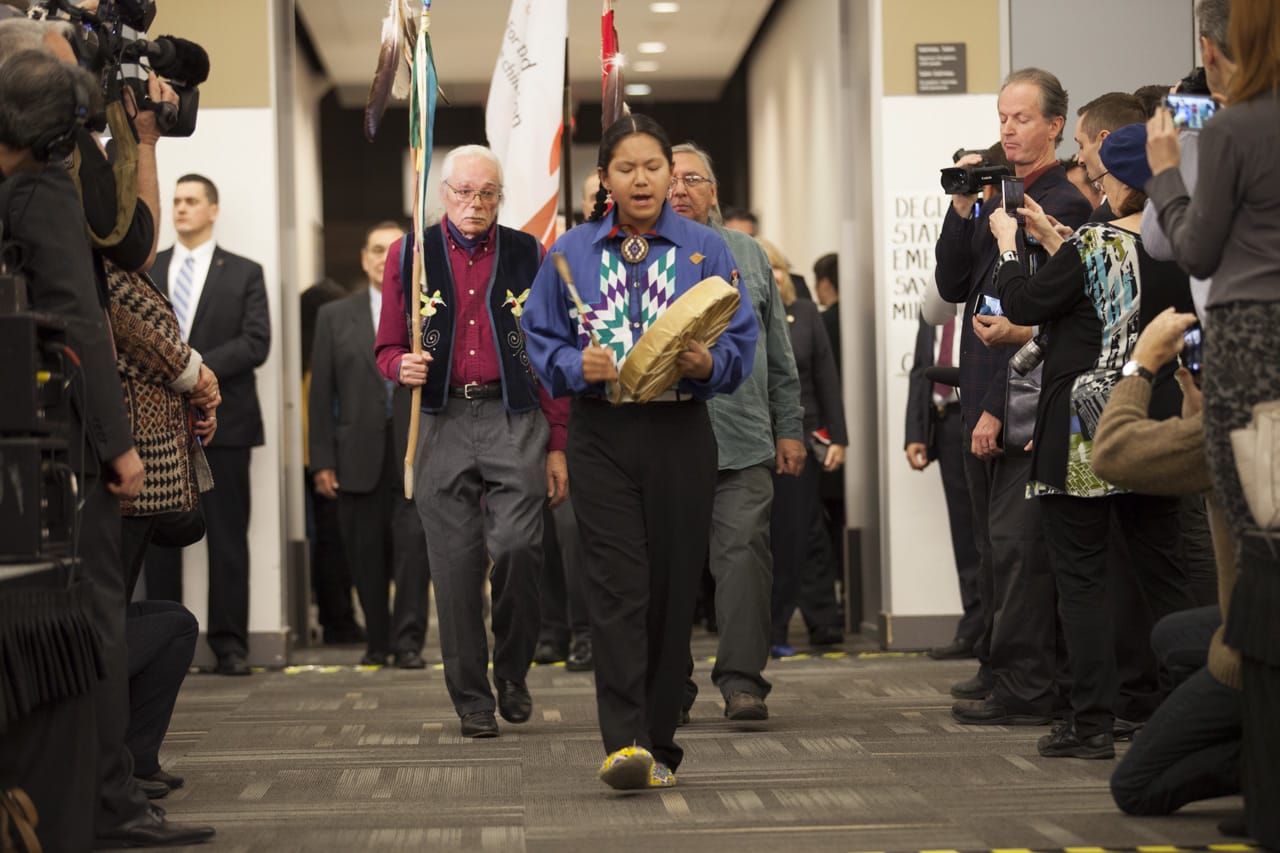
{"type": "Point", "coordinates": [112, 44]}
{"type": "Point", "coordinates": [967, 180]}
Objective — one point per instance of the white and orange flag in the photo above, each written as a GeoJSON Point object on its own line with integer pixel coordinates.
{"type": "Point", "coordinates": [523, 119]}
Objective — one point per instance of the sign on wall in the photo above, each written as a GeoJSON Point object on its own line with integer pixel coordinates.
{"type": "Point", "coordinates": [941, 69]}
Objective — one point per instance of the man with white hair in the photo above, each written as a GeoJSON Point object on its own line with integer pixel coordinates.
{"type": "Point", "coordinates": [490, 450]}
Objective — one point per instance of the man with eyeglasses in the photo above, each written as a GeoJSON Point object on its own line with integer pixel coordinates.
{"type": "Point", "coordinates": [759, 428]}
{"type": "Point", "coordinates": [1098, 119]}
{"type": "Point", "coordinates": [490, 450]}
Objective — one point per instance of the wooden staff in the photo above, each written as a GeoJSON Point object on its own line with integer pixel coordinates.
{"type": "Point", "coordinates": [562, 267]}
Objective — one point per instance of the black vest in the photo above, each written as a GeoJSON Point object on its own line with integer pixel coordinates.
{"type": "Point", "coordinates": [515, 265]}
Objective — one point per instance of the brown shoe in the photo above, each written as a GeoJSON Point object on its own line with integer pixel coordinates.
{"type": "Point", "coordinates": [745, 706]}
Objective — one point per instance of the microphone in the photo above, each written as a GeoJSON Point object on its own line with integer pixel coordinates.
{"type": "Point", "coordinates": [943, 375]}
{"type": "Point", "coordinates": [179, 60]}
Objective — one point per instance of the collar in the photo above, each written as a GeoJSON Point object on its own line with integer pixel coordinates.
{"type": "Point", "coordinates": [203, 252]}
{"type": "Point", "coordinates": [470, 244]}
{"type": "Point", "coordinates": [1036, 175]}
{"type": "Point", "coordinates": [669, 227]}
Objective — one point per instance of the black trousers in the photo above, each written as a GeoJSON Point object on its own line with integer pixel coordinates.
{"type": "Point", "coordinates": [162, 641]}
{"type": "Point", "coordinates": [330, 575]}
{"type": "Point", "coordinates": [1020, 643]}
{"type": "Point", "coordinates": [1077, 531]}
{"type": "Point", "coordinates": [119, 798]}
{"type": "Point", "coordinates": [564, 607]}
{"type": "Point", "coordinates": [644, 482]}
{"type": "Point", "coordinates": [384, 542]}
{"type": "Point", "coordinates": [1261, 751]}
{"type": "Point", "coordinates": [949, 445]}
{"type": "Point", "coordinates": [226, 516]}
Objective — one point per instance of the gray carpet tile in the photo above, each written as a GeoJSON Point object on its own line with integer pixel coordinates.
{"type": "Point", "coordinates": [861, 754]}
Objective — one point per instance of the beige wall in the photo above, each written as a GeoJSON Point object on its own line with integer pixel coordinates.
{"type": "Point", "coordinates": [238, 46]}
{"type": "Point", "coordinates": [906, 23]}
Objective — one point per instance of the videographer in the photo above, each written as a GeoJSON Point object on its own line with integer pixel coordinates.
{"type": "Point", "coordinates": [1017, 685]}
{"type": "Point", "coordinates": [125, 235]}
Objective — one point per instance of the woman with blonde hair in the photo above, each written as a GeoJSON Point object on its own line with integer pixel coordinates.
{"type": "Point", "coordinates": [796, 528]}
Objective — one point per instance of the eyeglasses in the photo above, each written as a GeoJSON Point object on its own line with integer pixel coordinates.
{"type": "Point", "coordinates": [1097, 182]}
{"type": "Point", "coordinates": [466, 194]}
{"type": "Point", "coordinates": [691, 182]}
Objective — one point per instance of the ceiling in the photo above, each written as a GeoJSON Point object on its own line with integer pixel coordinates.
{"type": "Point", "coordinates": [705, 42]}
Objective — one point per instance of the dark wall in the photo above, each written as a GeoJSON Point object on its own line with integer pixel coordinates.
{"type": "Point", "coordinates": [363, 182]}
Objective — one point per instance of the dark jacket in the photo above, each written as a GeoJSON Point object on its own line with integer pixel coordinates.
{"type": "Point", "coordinates": [966, 259]}
{"type": "Point", "coordinates": [232, 331]}
{"type": "Point", "coordinates": [816, 365]}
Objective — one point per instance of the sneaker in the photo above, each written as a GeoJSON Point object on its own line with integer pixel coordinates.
{"type": "Point", "coordinates": [661, 776]}
{"type": "Point", "coordinates": [782, 651]}
{"type": "Point", "coordinates": [1064, 742]}
{"type": "Point", "coordinates": [627, 769]}
{"type": "Point", "coordinates": [745, 706]}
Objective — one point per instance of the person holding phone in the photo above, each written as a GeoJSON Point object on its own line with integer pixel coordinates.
{"type": "Point", "coordinates": [1230, 229]}
{"type": "Point", "coordinates": [1098, 285]}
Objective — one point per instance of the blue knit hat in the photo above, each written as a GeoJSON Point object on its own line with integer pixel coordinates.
{"type": "Point", "coordinates": [1124, 155]}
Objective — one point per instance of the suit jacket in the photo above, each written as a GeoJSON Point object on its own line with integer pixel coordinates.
{"type": "Point", "coordinates": [348, 404]}
{"type": "Point", "coordinates": [920, 391]}
{"type": "Point", "coordinates": [232, 331]}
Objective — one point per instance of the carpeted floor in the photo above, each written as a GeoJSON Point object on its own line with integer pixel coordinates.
{"type": "Point", "coordinates": [860, 754]}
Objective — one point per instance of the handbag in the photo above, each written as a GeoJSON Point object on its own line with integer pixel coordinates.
{"type": "Point", "coordinates": [1257, 451]}
{"type": "Point", "coordinates": [1022, 398]}
{"type": "Point", "coordinates": [177, 529]}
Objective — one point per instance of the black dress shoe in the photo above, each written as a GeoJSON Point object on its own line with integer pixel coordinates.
{"type": "Point", "coordinates": [232, 664]}
{"type": "Point", "coordinates": [374, 659]}
{"type": "Point", "coordinates": [977, 687]}
{"type": "Point", "coordinates": [827, 635]}
{"type": "Point", "coordinates": [514, 702]}
{"type": "Point", "coordinates": [410, 660]}
{"type": "Point", "coordinates": [479, 724]}
{"type": "Point", "coordinates": [151, 829]}
{"type": "Point", "coordinates": [153, 788]}
{"type": "Point", "coordinates": [958, 649]}
{"type": "Point", "coordinates": [1065, 742]}
{"type": "Point", "coordinates": [548, 652]}
{"type": "Point", "coordinates": [174, 782]}
{"type": "Point", "coordinates": [580, 658]}
{"type": "Point", "coordinates": [988, 712]}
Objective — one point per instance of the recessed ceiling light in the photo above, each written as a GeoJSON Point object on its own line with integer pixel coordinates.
{"type": "Point", "coordinates": [652, 47]}
{"type": "Point", "coordinates": [664, 8]}
{"type": "Point", "coordinates": [638, 90]}
{"type": "Point", "coordinates": [644, 66]}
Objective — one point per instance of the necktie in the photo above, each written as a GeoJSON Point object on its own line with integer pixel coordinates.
{"type": "Point", "coordinates": [944, 357]}
{"type": "Point", "coordinates": [181, 297]}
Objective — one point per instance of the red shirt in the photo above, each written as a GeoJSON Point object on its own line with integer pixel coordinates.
{"type": "Point", "coordinates": [475, 356]}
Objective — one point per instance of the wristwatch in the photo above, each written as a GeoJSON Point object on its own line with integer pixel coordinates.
{"type": "Point", "coordinates": [1011, 255]}
{"type": "Point", "coordinates": [1132, 368]}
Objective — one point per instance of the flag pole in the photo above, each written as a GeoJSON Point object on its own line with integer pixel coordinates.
{"type": "Point", "coordinates": [566, 143]}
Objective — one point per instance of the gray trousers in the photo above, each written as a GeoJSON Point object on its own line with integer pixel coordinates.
{"type": "Point", "coordinates": [480, 482]}
{"type": "Point", "coordinates": [742, 564]}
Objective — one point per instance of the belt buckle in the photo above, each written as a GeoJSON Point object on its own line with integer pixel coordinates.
{"type": "Point", "coordinates": [466, 390]}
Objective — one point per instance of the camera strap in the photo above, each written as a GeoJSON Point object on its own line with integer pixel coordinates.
{"type": "Point", "coordinates": [125, 168]}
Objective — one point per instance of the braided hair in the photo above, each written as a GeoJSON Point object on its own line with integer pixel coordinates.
{"type": "Point", "coordinates": [628, 125]}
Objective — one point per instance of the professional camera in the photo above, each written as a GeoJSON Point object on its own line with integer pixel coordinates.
{"type": "Point", "coordinates": [1028, 355]}
{"type": "Point", "coordinates": [112, 44]}
{"type": "Point", "coordinates": [967, 180]}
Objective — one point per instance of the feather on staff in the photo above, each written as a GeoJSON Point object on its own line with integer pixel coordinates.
{"type": "Point", "coordinates": [612, 105]}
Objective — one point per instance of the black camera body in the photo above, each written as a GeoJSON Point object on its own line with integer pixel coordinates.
{"type": "Point", "coordinates": [967, 180]}
{"type": "Point", "coordinates": [112, 44]}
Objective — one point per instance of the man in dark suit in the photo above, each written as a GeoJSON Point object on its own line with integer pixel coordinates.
{"type": "Point", "coordinates": [221, 303]}
{"type": "Point", "coordinates": [1016, 684]}
{"type": "Point", "coordinates": [934, 431]}
{"type": "Point", "coordinates": [357, 456]}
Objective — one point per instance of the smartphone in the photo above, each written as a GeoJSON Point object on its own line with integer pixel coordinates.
{"type": "Point", "coordinates": [988, 306]}
{"type": "Point", "coordinates": [1190, 111]}
{"type": "Point", "coordinates": [1193, 349]}
{"type": "Point", "coordinates": [1011, 190]}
